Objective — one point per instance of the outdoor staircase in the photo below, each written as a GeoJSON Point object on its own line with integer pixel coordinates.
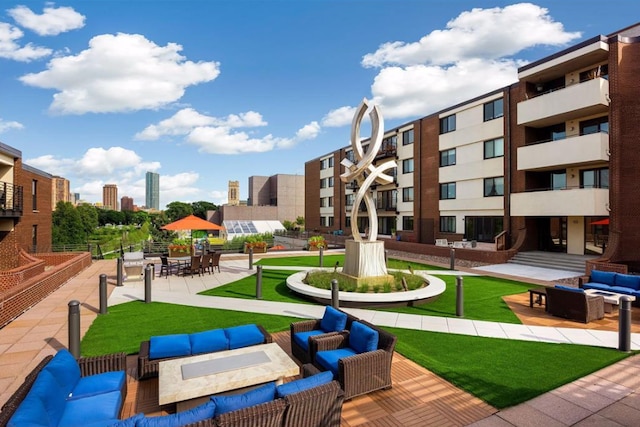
{"type": "Point", "coordinates": [553, 260]}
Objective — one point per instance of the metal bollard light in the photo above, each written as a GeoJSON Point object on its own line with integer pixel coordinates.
{"type": "Point", "coordinates": [335, 292]}
{"type": "Point", "coordinates": [321, 257]}
{"type": "Point", "coordinates": [250, 258]}
{"type": "Point", "coordinates": [259, 282]}
{"type": "Point", "coordinates": [452, 259]}
{"type": "Point", "coordinates": [147, 283]}
{"type": "Point", "coordinates": [74, 328]}
{"type": "Point", "coordinates": [459, 297]}
{"type": "Point", "coordinates": [624, 326]}
{"type": "Point", "coordinates": [103, 293]}
{"type": "Point", "coordinates": [119, 271]}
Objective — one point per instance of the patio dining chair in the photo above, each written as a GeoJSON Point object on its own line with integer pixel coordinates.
{"type": "Point", "coordinates": [206, 263]}
{"type": "Point", "coordinates": [194, 267]}
{"type": "Point", "coordinates": [215, 261]}
{"type": "Point", "coordinates": [167, 267]}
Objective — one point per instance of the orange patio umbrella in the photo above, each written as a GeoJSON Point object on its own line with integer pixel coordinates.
{"type": "Point", "coordinates": [192, 222]}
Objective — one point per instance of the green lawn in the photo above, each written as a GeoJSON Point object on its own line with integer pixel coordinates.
{"type": "Point", "coordinates": [501, 372]}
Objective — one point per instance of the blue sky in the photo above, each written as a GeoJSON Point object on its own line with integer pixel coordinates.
{"type": "Point", "coordinates": [208, 91]}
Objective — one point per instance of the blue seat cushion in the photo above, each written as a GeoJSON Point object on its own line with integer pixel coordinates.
{"type": "Point", "coordinates": [362, 338]}
{"type": "Point", "coordinates": [193, 415]}
{"type": "Point", "coordinates": [244, 336]}
{"type": "Point", "coordinates": [302, 338]}
{"type": "Point", "coordinates": [91, 409]}
{"type": "Point", "coordinates": [599, 286]}
{"type": "Point", "coordinates": [304, 384]}
{"type": "Point", "coordinates": [208, 341]}
{"type": "Point", "coordinates": [99, 383]}
{"type": "Point", "coordinates": [622, 290]}
{"type": "Point", "coordinates": [329, 358]}
{"type": "Point", "coordinates": [47, 389]}
{"type": "Point", "coordinates": [606, 277]}
{"type": "Point", "coordinates": [65, 370]}
{"type": "Point", "coordinates": [177, 345]}
{"type": "Point", "coordinates": [128, 422]}
{"type": "Point", "coordinates": [333, 320]}
{"type": "Point", "coordinates": [628, 281]}
{"type": "Point", "coordinates": [262, 394]}
{"type": "Point", "coordinates": [31, 412]}
{"type": "Point", "coordinates": [569, 288]}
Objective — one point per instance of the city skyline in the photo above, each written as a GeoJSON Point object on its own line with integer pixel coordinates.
{"type": "Point", "coordinates": [261, 92]}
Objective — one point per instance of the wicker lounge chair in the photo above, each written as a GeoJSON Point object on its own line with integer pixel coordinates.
{"type": "Point", "coordinates": [574, 305]}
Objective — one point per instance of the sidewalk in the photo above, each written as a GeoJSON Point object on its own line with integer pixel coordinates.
{"type": "Point", "coordinates": [606, 398]}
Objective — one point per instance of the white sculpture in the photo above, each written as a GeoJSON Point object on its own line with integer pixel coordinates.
{"type": "Point", "coordinates": [363, 171]}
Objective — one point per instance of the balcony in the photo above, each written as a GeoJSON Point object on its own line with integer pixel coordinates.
{"type": "Point", "coordinates": [568, 103]}
{"type": "Point", "coordinates": [388, 149]}
{"type": "Point", "coordinates": [11, 200]}
{"type": "Point", "coordinates": [569, 202]}
{"type": "Point", "coordinates": [577, 150]}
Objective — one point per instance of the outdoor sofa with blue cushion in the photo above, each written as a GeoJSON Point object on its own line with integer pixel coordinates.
{"type": "Point", "coordinates": [360, 359]}
{"type": "Point", "coordinates": [64, 391]}
{"type": "Point", "coordinates": [312, 401]}
{"type": "Point", "coordinates": [333, 321]}
{"type": "Point", "coordinates": [574, 304]}
{"type": "Point", "coordinates": [610, 281]}
{"type": "Point", "coordinates": [165, 347]}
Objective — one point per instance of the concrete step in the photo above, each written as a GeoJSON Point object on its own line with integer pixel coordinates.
{"type": "Point", "coordinates": [557, 261]}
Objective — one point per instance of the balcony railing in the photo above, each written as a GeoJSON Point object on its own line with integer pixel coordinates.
{"type": "Point", "coordinates": [11, 200]}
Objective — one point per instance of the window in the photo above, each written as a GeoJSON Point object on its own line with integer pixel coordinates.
{"type": "Point", "coordinates": [323, 183]}
{"type": "Point", "coordinates": [448, 224]}
{"type": "Point", "coordinates": [407, 166]}
{"type": "Point", "coordinates": [448, 124]}
{"type": "Point", "coordinates": [558, 180]}
{"type": "Point", "coordinates": [329, 221]}
{"type": "Point", "coordinates": [407, 137]}
{"type": "Point", "coordinates": [34, 194]}
{"type": "Point", "coordinates": [448, 191]}
{"type": "Point", "coordinates": [601, 124]}
{"type": "Point", "coordinates": [348, 199]}
{"type": "Point", "coordinates": [448, 157]}
{"type": "Point", "coordinates": [594, 178]}
{"type": "Point", "coordinates": [407, 223]}
{"type": "Point", "coordinates": [323, 164]}
{"type": "Point", "coordinates": [350, 156]}
{"type": "Point", "coordinates": [387, 200]}
{"type": "Point", "coordinates": [323, 202]}
{"type": "Point", "coordinates": [494, 186]}
{"type": "Point", "coordinates": [330, 162]}
{"type": "Point", "coordinates": [494, 148]}
{"type": "Point", "coordinates": [493, 110]}
{"type": "Point", "coordinates": [330, 201]}
{"type": "Point", "coordinates": [347, 222]}
{"type": "Point", "coordinates": [407, 194]}
{"type": "Point", "coordinates": [330, 181]}
{"type": "Point", "coordinates": [34, 238]}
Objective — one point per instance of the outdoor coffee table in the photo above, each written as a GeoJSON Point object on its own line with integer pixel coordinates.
{"type": "Point", "coordinates": [191, 380]}
{"type": "Point", "coordinates": [611, 299]}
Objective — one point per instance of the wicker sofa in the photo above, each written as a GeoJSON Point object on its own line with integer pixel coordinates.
{"type": "Point", "coordinates": [100, 390]}
{"type": "Point", "coordinates": [183, 345]}
{"type": "Point", "coordinates": [574, 304]}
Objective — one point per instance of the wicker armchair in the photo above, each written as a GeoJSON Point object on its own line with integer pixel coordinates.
{"type": "Point", "coordinates": [574, 305]}
{"type": "Point", "coordinates": [270, 414]}
{"type": "Point", "coordinates": [361, 373]}
{"type": "Point", "coordinates": [300, 353]}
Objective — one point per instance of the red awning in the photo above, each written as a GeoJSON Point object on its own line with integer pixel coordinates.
{"type": "Point", "coordinates": [601, 222]}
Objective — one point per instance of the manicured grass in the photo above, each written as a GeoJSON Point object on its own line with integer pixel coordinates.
{"type": "Point", "coordinates": [501, 372]}
{"type": "Point", "coordinates": [330, 261]}
{"type": "Point", "coordinates": [274, 288]}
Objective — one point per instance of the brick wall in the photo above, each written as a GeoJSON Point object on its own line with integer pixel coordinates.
{"type": "Point", "coordinates": [41, 216]}
{"type": "Point", "coordinates": [312, 195]}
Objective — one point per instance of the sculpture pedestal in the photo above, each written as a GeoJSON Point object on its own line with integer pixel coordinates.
{"type": "Point", "coordinates": [364, 262]}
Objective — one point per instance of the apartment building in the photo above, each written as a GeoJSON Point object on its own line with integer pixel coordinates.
{"type": "Point", "coordinates": [110, 197]}
{"type": "Point", "coordinates": [60, 191]}
{"type": "Point", "coordinates": [548, 162]}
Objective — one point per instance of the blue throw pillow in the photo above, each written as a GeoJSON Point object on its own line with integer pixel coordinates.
{"type": "Point", "coordinates": [262, 394]}
{"type": "Point", "coordinates": [193, 415]}
{"type": "Point", "coordinates": [569, 288]}
{"type": "Point", "coordinates": [628, 281]}
{"type": "Point", "coordinates": [65, 370]}
{"type": "Point", "coordinates": [208, 341]}
{"type": "Point", "coordinates": [333, 320]}
{"type": "Point", "coordinates": [177, 345]}
{"type": "Point", "coordinates": [129, 422]}
{"type": "Point", "coordinates": [304, 384]}
{"type": "Point", "coordinates": [362, 338]}
{"type": "Point", "coordinates": [244, 336]}
{"type": "Point", "coordinates": [606, 277]}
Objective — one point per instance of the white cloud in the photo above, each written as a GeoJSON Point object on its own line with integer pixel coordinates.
{"type": "Point", "coordinates": [479, 33]}
{"type": "Point", "coordinates": [10, 49]}
{"type": "Point", "coordinates": [187, 119]}
{"type": "Point", "coordinates": [52, 165]}
{"type": "Point", "coordinates": [218, 197]}
{"type": "Point", "coordinates": [98, 161]}
{"type": "Point", "coordinates": [120, 73]}
{"type": "Point", "coordinates": [221, 140]}
{"type": "Point", "coordinates": [5, 125]}
{"type": "Point", "coordinates": [339, 117]}
{"type": "Point", "coordinates": [309, 131]}
{"type": "Point", "coordinates": [52, 22]}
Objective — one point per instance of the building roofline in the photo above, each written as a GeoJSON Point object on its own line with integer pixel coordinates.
{"type": "Point", "coordinates": [563, 52]}
{"type": "Point", "coordinates": [36, 171]}
{"type": "Point", "coordinates": [10, 150]}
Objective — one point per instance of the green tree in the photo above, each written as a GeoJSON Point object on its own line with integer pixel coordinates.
{"type": "Point", "coordinates": [67, 227]}
{"type": "Point", "coordinates": [300, 221]}
{"type": "Point", "coordinates": [200, 208]}
{"type": "Point", "coordinates": [178, 210]}
{"type": "Point", "coordinates": [89, 217]}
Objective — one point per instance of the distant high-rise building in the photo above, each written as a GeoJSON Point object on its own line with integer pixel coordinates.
{"type": "Point", "coordinates": [59, 191]}
{"type": "Point", "coordinates": [152, 191]}
{"type": "Point", "coordinates": [110, 197]}
{"type": "Point", "coordinates": [126, 203]}
{"type": "Point", "coordinates": [234, 193]}
{"type": "Point", "coordinates": [76, 198]}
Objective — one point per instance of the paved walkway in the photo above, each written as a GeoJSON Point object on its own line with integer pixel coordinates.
{"type": "Point", "coordinates": [609, 397]}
